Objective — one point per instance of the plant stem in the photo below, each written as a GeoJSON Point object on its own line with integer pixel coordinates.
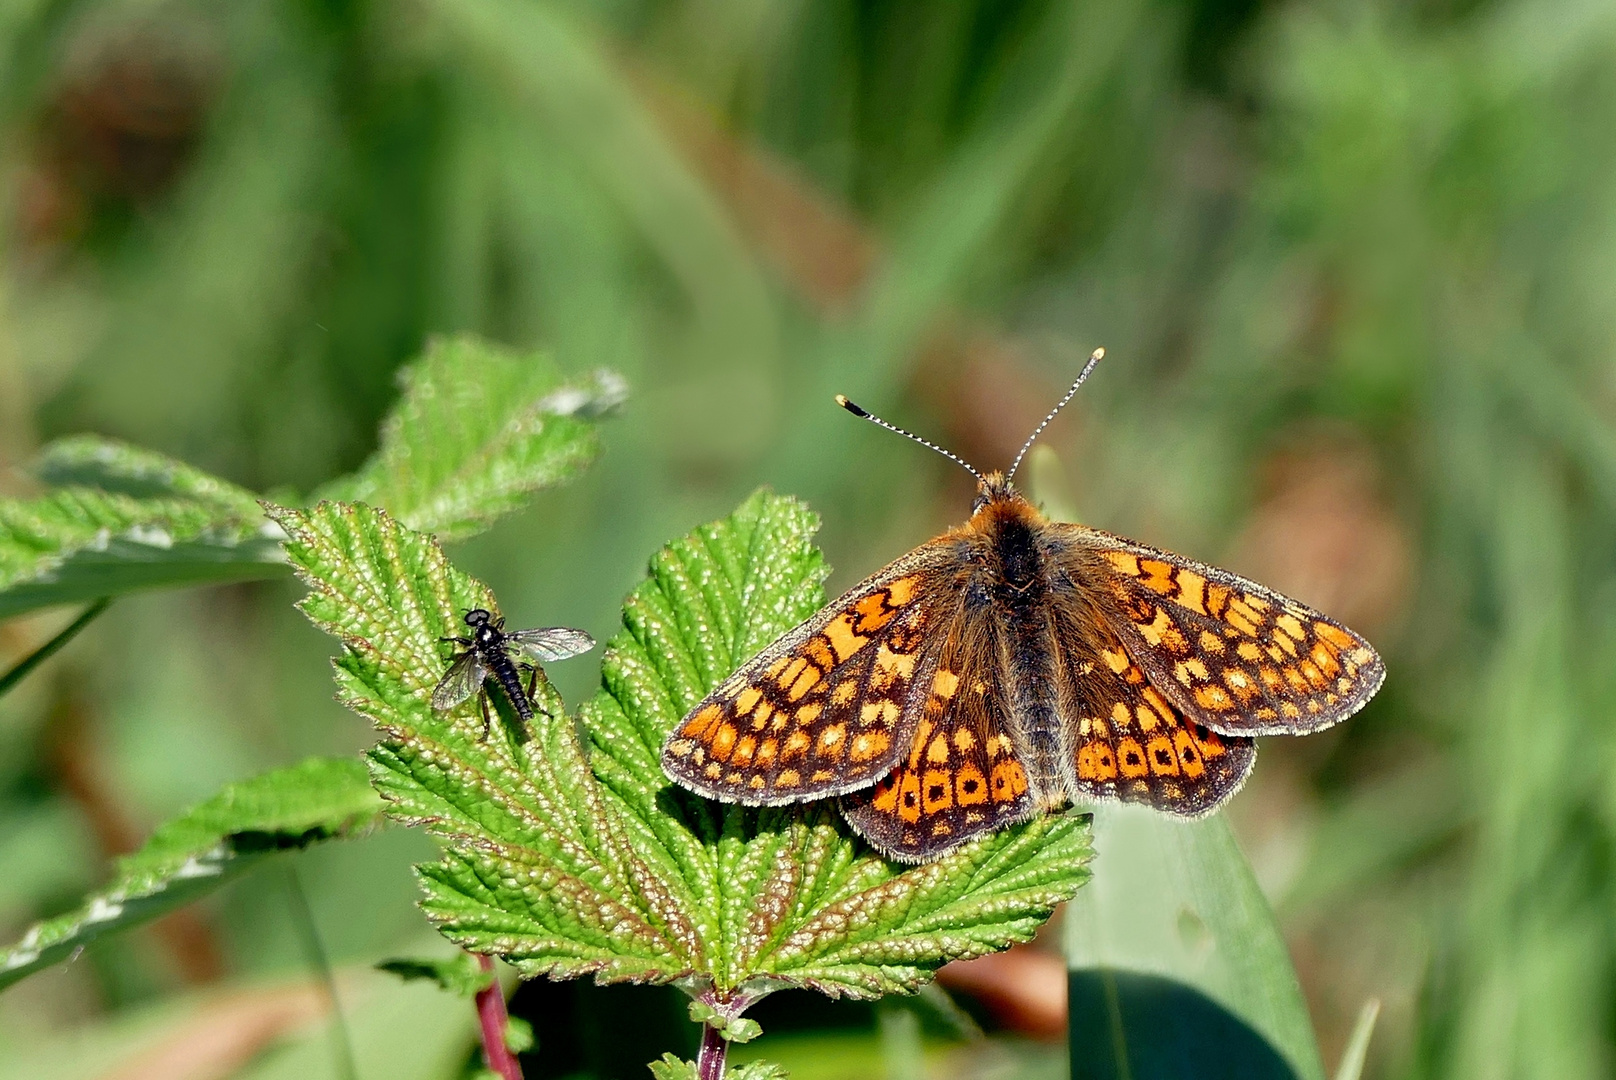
{"type": "Point", "coordinates": [710, 1061]}
{"type": "Point", "coordinates": [309, 932]}
{"type": "Point", "coordinates": [491, 1015]}
{"type": "Point", "coordinates": [47, 650]}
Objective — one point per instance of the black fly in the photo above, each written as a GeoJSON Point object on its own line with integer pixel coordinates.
{"type": "Point", "coordinates": [490, 650]}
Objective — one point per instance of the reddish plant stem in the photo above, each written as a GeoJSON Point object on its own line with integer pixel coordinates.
{"type": "Point", "coordinates": [491, 1015]}
{"type": "Point", "coordinates": [710, 1060]}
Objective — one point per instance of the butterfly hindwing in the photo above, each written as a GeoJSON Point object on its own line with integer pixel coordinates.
{"type": "Point", "coordinates": [961, 775]}
{"type": "Point", "coordinates": [1129, 742]}
{"type": "Point", "coordinates": [826, 709]}
{"type": "Point", "coordinates": [1235, 656]}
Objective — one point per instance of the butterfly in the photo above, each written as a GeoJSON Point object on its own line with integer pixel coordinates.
{"type": "Point", "coordinates": [491, 650]}
{"type": "Point", "coordinates": [1014, 665]}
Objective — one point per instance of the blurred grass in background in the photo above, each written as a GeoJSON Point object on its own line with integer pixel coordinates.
{"type": "Point", "coordinates": [1354, 264]}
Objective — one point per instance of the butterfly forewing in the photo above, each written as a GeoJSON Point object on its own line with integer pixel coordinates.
{"type": "Point", "coordinates": [961, 774]}
{"type": "Point", "coordinates": [550, 643]}
{"type": "Point", "coordinates": [1235, 656]}
{"type": "Point", "coordinates": [463, 679]}
{"type": "Point", "coordinates": [829, 706]}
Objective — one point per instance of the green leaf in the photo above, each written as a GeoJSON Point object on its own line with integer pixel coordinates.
{"type": "Point", "coordinates": [204, 847]}
{"type": "Point", "coordinates": [476, 430]}
{"type": "Point", "coordinates": [1352, 1058]}
{"type": "Point", "coordinates": [460, 974]}
{"type": "Point", "coordinates": [1176, 957]}
{"type": "Point", "coordinates": [520, 1038]}
{"type": "Point", "coordinates": [127, 519]}
{"type": "Point", "coordinates": [108, 465]}
{"type": "Point", "coordinates": [672, 1068]}
{"type": "Point", "coordinates": [569, 865]}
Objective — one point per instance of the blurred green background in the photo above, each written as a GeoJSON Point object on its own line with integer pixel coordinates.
{"type": "Point", "coordinates": [1354, 264]}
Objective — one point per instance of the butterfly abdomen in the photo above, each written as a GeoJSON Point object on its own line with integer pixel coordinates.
{"type": "Point", "coordinates": [1020, 582]}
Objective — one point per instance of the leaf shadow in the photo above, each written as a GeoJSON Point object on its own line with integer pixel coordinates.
{"type": "Point", "coordinates": [1127, 1025]}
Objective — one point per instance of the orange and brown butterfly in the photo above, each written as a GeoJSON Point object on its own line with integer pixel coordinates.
{"type": "Point", "coordinates": [1014, 665]}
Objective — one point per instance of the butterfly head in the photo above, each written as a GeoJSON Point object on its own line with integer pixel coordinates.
{"type": "Point", "coordinates": [994, 488]}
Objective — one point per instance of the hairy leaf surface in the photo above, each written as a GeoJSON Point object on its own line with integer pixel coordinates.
{"type": "Point", "coordinates": [476, 430]}
{"type": "Point", "coordinates": [126, 519]}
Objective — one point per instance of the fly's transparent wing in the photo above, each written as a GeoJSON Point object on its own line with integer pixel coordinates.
{"type": "Point", "coordinates": [549, 643]}
{"type": "Point", "coordinates": [463, 679]}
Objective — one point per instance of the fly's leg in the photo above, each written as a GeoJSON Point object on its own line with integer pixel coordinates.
{"type": "Point", "coordinates": [482, 705]}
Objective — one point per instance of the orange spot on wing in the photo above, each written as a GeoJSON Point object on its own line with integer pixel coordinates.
{"type": "Point", "coordinates": [884, 713]}
{"type": "Point", "coordinates": [788, 778]}
{"type": "Point", "coordinates": [1162, 632]}
{"type": "Point", "coordinates": [797, 744]}
{"type": "Point", "coordinates": [748, 699]}
{"type": "Point", "coordinates": [1095, 762]}
{"type": "Point", "coordinates": [832, 742]}
{"type": "Point", "coordinates": [886, 795]}
{"type": "Point", "coordinates": [890, 667]}
{"type": "Point", "coordinates": [789, 675]}
{"type": "Point", "coordinates": [843, 640]}
{"type": "Point", "coordinates": [819, 652]}
{"type": "Point", "coordinates": [723, 742]}
{"type": "Point", "coordinates": [1125, 562]}
{"type": "Point", "coordinates": [1334, 635]}
{"type": "Point", "coordinates": [1192, 591]}
{"type": "Point", "coordinates": [868, 745]}
{"type": "Point", "coordinates": [1159, 703]}
{"type": "Point", "coordinates": [1189, 758]}
{"type": "Point", "coordinates": [1156, 576]}
{"type": "Point", "coordinates": [902, 590]}
{"type": "Point", "coordinates": [1159, 752]}
{"type": "Point", "coordinates": [909, 797]}
{"type": "Point", "coordinates": [922, 735]}
{"type": "Point", "coordinates": [703, 723]}
{"type": "Point", "coordinates": [1326, 660]}
{"type": "Point", "coordinates": [1242, 618]}
{"type": "Point", "coordinates": [1009, 781]}
{"type": "Point", "coordinates": [936, 790]}
{"type": "Point", "coordinates": [873, 613]}
{"type": "Point", "coordinates": [1131, 759]}
{"type": "Point", "coordinates": [805, 682]}
{"type": "Point", "coordinates": [970, 786]}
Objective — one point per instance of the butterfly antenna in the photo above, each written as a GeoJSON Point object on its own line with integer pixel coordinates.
{"type": "Point", "coordinates": [1094, 358]}
{"type": "Point", "coordinates": [872, 418]}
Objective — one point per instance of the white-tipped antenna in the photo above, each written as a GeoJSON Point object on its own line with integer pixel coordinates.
{"type": "Point", "coordinates": [1094, 358]}
{"type": "Point", "coordinates": [872, 418]}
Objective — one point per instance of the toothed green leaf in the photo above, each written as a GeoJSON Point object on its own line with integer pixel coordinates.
{"type": "Point", "coordinates": [477, 429]}
{"type": "Point", "coordinates": [669, 1067]}
{"type": "Point", "coordinates": [204, 847]}
{"type": "Point", "coordinates": [124, 519]}
{"type": "Point", "coordinates": [460, 974]}
{"type": "Point", "coordinates": [569, 863]}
